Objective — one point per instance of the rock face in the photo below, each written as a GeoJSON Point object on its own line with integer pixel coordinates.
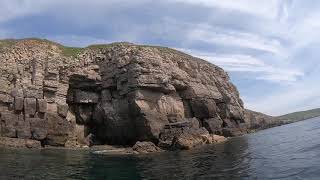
{"type": "Point", "coordinates": [19, 143]}
{"type": "Point", "coordinates": [120, 93]}
{"type": "Point", "coordinates": [145, 147]}
{"type": "Point", "coordinates": [193, 138]}
{"type": "Point", "coordinates": [256, 120]}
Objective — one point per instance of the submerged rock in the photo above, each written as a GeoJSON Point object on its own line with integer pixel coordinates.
{"type": "Point", "coordinates": [119, 93]}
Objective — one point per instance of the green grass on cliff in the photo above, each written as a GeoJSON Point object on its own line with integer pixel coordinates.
{"type": "Point", "coordinates": [11, 42]}
{"type": "Point", "coordinates": [71, 51]}
{"type": "Point", "coordinates": [302, 115]}
{"type": "Point", "coordinates": [66, 51]}
{"type": "Point", "coordinates": [101, 46]}
{"type": "Point", "coordinates": [7, 43]}
{"type": "Point", "coordinates": [75, 51]}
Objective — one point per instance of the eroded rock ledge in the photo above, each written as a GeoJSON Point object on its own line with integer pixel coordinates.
{"type": "Point", "coordinates": [116, 94]}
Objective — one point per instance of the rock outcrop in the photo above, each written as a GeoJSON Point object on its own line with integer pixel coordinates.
{"type": "Point", "coordinates": [19, 143]}
{"type": "Point", "coordinates": [194, 138]}
{"type": "Point", "coordinates": [145, 147]}
{"type": "Point", "coordinates": [256, 121]}
{"type": "Point", "coordinates": [117, 94]}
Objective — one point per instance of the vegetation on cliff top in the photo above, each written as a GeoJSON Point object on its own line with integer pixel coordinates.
{"type": "Point", "coordinates": [301, 115]}
{"type": "Point", "coordinates": [71, 51]}
{"type": "Point", "coordinates": [66, 51]}
{"type": "Point", "coordinates": [7, 43]}
{"type": "Point", "coordinates": [75, 51]}
{"type": "Point", "coordinates": [11, 42]}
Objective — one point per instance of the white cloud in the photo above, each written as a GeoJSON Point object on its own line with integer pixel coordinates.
{"type": "Point", "coordinates": [266, 9]}
{"type": "Point", "coordinates": [305, 30]}
{"type": "Point", "coordinates": [249, 64]}
{"type": "Point", "coordinates": [296, 97]}
{"type": "Point", "coordinates": [10, 9]}
{"type": "Point", "coordinates": [281, 75]}
{"type": "Point", "coordinates": [238, 39]}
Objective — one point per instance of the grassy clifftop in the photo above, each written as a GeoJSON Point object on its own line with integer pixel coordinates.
{"type": "Point", "coordinates": [301, 115]}
{"type": "Point", "coordinates": [75, 51]}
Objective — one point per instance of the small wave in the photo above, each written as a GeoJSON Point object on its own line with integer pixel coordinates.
{"type": "Point", "coordinates": [289, 174]}
{"type": "Point", "coordinates": [311, 148]}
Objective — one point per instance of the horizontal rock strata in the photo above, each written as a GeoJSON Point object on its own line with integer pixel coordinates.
{"type": "Point", "coordinates": [115, 94]}
{"type": "Point", "coordinates": [19, 143]}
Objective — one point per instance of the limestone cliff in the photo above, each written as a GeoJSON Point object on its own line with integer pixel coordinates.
{"type": "Point", "coordinates": [118, 94]}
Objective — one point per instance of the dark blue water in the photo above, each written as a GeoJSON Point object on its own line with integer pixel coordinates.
{"type": "Point", "coordinates": [287, 152]}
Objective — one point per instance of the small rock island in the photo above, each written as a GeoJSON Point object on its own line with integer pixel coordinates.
{"type": "Point", "coordinates": [147, 97]}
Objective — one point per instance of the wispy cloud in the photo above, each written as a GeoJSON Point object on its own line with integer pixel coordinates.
{"type": "Point", "coordinates": [249, 64]}
{"type": "Point", "coordinates": [239, 39]}
{"type": "Point", "coordinates": [265, 9]}
{"type": "Point", "coordinates": [297, 97]}
{"type": "Point", "coordinates": [11, 9]}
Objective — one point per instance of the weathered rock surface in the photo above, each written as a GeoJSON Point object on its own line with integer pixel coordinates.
{"type": "Point", "coordinates": [256, 120]}
{"type": "Point", "coordinates": [193, 138]}
{"type": "Point", "coordinates": [186, 135]}
{"type": "Point", "coordinates": [145, 147]}
{"type": "Point", "coordinates": [121, 93]}
{"type": "Point", "coordinates": [19, 143]}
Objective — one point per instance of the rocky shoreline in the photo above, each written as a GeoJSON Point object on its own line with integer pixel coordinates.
{"type": "Point", "coordinates": [138, 148]}
{"type": "Point", "coordinates": [145, 97]}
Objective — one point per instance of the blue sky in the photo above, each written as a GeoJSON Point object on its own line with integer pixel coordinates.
{"type": "Point", "coordinates": [270, 48]}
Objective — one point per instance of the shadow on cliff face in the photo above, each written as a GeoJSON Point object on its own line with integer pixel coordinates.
{"type": "Point", "coordinates": [100, 113]}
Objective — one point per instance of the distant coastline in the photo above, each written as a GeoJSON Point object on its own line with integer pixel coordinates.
{"type": "Point", "coordinates": [299, 116]}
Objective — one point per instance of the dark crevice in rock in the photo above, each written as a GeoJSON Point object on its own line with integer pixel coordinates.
{"type": "Point", "coordinates": [33, 70]}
